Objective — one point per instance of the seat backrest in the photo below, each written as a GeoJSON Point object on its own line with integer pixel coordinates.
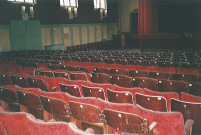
{"type": "Point", "coordinates": [144, 82]}
{"type": "Point", "coordinates": [194, 88]}
{"type": "Point", "coordinates": [100, 78]}
{"type": "Point", "coordinates": [29, 99]}
{"type": "Point", "coordinates": [119, 71]}
{"type": "Point", "coordinates": [160, 75]}
{"type": "Point", "coordinates": [184, 77]}
{"type": "Point", "coordinates": [138, 73]}
{"type": "Point", "coordinates": [119, 97]}
{"type": "Point", "coordinates": [155, 103]}
{"type": "Point", "coordinates": [101, 70]}
{"type": "Point", "coordinates": [189, 110]}
{"type": "Point", "coordinates": [85, 112]}
{"type": "Point", "coordinates": [8, 96]}
{"type": "Point", "coordinates": [78, 76]}
{"type": "Point", "coordinates": [61, 74]}
{"type": "Point", "coordinates": [122, 80]}
{"type": "Point", "coordinates": [126, 122]}
{"type": "Point", "coordinates": [20, 81]}
{"type": "Point", "coordinates": [46, 73]}
{"type": "Point", "coordinates": [93, 92]}
{"type": "Point", "coordinates": [37, 83]}
{"type": "Point", "coordinates": [190, 98]}
{"type": "Point", "coordinates": [73, 90]}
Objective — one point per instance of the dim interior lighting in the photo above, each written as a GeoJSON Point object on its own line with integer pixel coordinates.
{"type": "Point", "coordinates": [71, 7]}
{"type": "Point", "coordinates": [25, 15]}
{"type": "Point", "coordinates": [102, 6]}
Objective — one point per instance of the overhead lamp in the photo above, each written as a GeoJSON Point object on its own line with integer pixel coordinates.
{"type": "Point", "coordinates": [25, 15]}
{"type": "Point", "coordinates": [71, 7]}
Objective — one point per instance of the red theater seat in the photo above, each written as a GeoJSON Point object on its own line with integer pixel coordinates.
{"type": "Point", "coordinates": [55, 108]}
{"type": "Point", "coordinates": [73, 90]}
{"type": "Point", "coordinates": [100, 78]}
{"type": "Point", "coordinates": [86, 116]}
{"type": "Point", "coordinates": [119, 71]}
{"type": "Point", "coordinates": [78, 76]}
{"type": "Point", "coordinates": [9, 99]}
{"type": "Point", "coordinates": [172, 86]}
{"type": "Point", "coordinates": [46, 73]}
{"type": "Point", "coordinates": [190, 110]}
{"type": "Point", "coordinates": [20, 80]}
{"type": "Point", "coordinates": [167, 95]}
{"type": "Point", "coordinates": [30, 102]}
{"type": "Point", "coordinates": [190, 98]}
{"type": "Point", "coordinates": [184, 77]}
{"type": "Point", "coordinates": [119, 96]}
{"type": "Point", "coordinates": [144, 82]}
{"type": "Point", "coordinates": [138, 73]}
{"type": "Point", "coordinates": [122, 80]}
{"type": "Point", "coordinates": [128, 123]}
{"type": "Point", "coordinates": [5, 79]}
{"type": "Point", "coordinates": [160, 75]}
{"type": "Point", "coordinates": [155, 103]}
{"type": "Point", "coordinates": [194, 88]}
{"type": "Point", "coordinates": [61, 73]}
{"type": "Point", "coordinates": [93, 92]}
{"type": "Point", "coordinates": [101, 70]}
{"type": "Point", "coordinates": [14, 124]}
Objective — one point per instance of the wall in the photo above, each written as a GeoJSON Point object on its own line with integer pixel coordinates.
{"type": "Point", "coordinates": [65, 34]}
{"type": "Point", "coordinates": [4, 38]}
{"type": "Point", "coordinates": [126, 6]}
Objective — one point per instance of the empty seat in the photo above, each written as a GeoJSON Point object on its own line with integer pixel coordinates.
{"type": "Point", "coordinates": [78, 76]}
{"type": "Point", "coordinates": [119, 96]}
{"type": "Point", "coordinates": [119, 71]}
{"type": "Point", "coordinates": [195, 88]}
{"type": "Point", "coordinates": [30, 103]}
{"type": "Point", "coordinates": [144, 82]}
{"type": "Point", "coordinates": [121, 61]}
{"type": "Point", "coordinates": [46, 73]}
{"type": "Point", "coordinates": [102, 70]}
{"type": "Point", "coordinates": [73, 90]}
{"type": "Point", "coordinates": [109, 60]}
{"type": "Point", "coordinates": [100, 78]}
{"type": "Point", "coordinates": [135, 62]}
{"type": "Point", "coordinates": [39, 83]}
{"type": "Point", "coordinates": [62, 74]}
{"type": "Point", "coordinates": [55, 108]}
{"type": "Point", "coordinates": [127, 122]}
{"type": "Point", "coordinates": [155, 103]}
{"type": "Point", "coordinates": [150, 63]}
{"type": "Point", "coordinates": [20, 80]}
{"type": "Point", "coordinates": [138, 73]}
{"type": "Point", "coordinates": [122, 80]}
{"type": "Point", "coordinates": [190, 98]}
{"type": "Point", "coordinates": [69, 68]}
{"type": "Point", "coordinates": [83, 69]}
{"type": "Point", "coordinates": [85, 59]}
{"type": "Point", "coordinates": [172, 86]}
{"type": "Point", "coordinates": [97, 60]}
{"type": "Point", "coordinates": [5, 79]}
{"type": "Point", "coordinates": [165, 63]}
{"type": "Point", "coordinates": [9, 100]}
{"type": "Point", "coordinates": [189, 110]}
{"type": "Point", "coordinates": [160, 75]}
{"type": "Point", "coordinates": [184, 77]}
{"type": "Point", "coordinates": [86, 116]}
{"type": "Point", "coordinates": [93, 92]}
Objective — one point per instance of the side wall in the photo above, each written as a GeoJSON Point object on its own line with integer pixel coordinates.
{"type": "Point", "coordinates": [126, 7]}
{"type": "Point", "coordinates": [65, 34]}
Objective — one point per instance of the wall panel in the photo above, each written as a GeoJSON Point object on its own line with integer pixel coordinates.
{"type": "Point", "coordinates": [91, 34]}
{"type": "Point", "coordinates": [98, 33]}
{"type": "Point", "coordinates": [46, 39]}
{"type": "Point", "coordinates": [84, 35]}
{"type": "Point", "coordinates": [67, 37]}
{"type": "Point", "coordinates": [105, 32]}
{"type": "Point", "coordinates": [57, 35]}
{"type": "Point", "coordinates": [76, 36]}
{"type": "Point", "coordinates": [4, 39]}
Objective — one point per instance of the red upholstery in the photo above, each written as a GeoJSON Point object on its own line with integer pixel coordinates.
{"type": "Point", "coordinates": [166, 95]}
{"type": "Point", "coordinates": [190, 98]}
{"type": "Point", "coordinates": [30, 126]}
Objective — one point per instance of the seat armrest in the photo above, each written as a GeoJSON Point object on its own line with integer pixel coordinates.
{"type": "Point", "coordinates": [188, 125]}
{"type": "Point", "coordinates": [54, 88]}
{"type": "Point", "coordinates": [152, 126]}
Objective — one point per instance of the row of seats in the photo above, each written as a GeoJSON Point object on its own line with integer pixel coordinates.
{"type": "Point", "coordinates": [101, 115]}
{"type": "Point", "coordinates": [13, 123]}
{"type": "Point", "coordinates": [46, 80]}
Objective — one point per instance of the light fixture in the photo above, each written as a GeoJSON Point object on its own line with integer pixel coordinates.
{"type": "Point", "coordinates": [25, 15]}
{"type": "Point", "coordinates": [71, 7]}
{"type": "Point", "coordinates": [102, 6]}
